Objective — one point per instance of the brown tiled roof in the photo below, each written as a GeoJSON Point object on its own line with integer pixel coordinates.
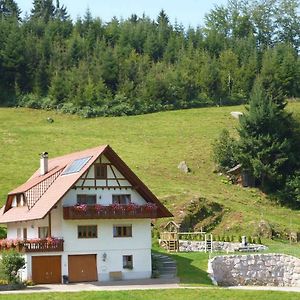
{"type": "Point", "coordinates": [61, 185]}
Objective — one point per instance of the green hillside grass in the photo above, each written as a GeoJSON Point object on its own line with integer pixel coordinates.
{"type": "Point", "coordinates": [152, 145]}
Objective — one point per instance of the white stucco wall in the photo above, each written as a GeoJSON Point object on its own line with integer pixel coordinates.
{"type": "Point", "coordinates": [104, 196]}
{"type": "Point", "coordinates": [32, 226]}
{"type": "Point", "coordinates": [139, 246]}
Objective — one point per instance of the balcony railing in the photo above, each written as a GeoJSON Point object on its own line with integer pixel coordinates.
{"type": "Point", "coordinates": [33, 245]}
{"type": "Point", "coordinates": [114, 211]}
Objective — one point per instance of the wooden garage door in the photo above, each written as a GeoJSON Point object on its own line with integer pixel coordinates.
{"type": "Point", "coordinates": [82, 268]}
{"type": "Point", "coordinates": [46, 269]}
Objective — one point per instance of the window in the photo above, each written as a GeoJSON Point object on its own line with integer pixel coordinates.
{"type": "Point", "coordinates": [18, 200]}
{"type": "Point", "coordinates": [76, 165]}
{"type": "Point", "coordinates": [127, 262]}
{"type": "Point", "coordinates": [121, 199]}
{"type": "Point", "coordinates": [18, 233]}
{"type": "Point", "coordinates": [87, 231]}
{"type": "Point", "coordinates": [43, 232]}
{"type": "Point", "coordinates": [24, 200]}
{"type": "Point", "coordinates": [25, 233]}
{"type": "Point", "coordinates": [122, 231]}
{"type": "Point", "coordinates": [86, 199]}
{"type": "Point", "coordinates": [100, 171]}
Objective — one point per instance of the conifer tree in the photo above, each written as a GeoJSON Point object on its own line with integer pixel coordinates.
{"type": "Point", "coordinates": [9, 9]}
{"type": "Point", "coordinates": [266, 140]}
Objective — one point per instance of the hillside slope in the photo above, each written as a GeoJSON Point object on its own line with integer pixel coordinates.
{"type": "Point", "coordinates": [152, 145]}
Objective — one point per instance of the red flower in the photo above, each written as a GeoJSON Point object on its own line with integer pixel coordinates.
{"type": "Point", "coordinates": [150, 207]}
{"type": "Point", "coordinates": [116, 207]}
{"type": "Point", "coordinates": [99, 208]}
{"type": "Point", "coordinates": [80, 207]}
{"type": "Point", "coordinates": [131, 207]}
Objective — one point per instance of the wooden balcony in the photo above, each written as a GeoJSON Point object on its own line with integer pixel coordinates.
{"type": "Point", "coordinates": [110, 212]}
{"type": "Point", "coordinates": [38, 245]}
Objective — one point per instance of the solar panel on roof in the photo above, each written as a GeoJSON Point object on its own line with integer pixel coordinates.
{"type": "Point", "coordinates": [76, 165]}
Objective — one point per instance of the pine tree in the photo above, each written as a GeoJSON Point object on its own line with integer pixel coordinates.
{"type": "Point", "coordinates": [43, 10]}
{"type": "Point", "coordinates": [266, 140]}
{"type": "Point", "coordinates": [9, 9]}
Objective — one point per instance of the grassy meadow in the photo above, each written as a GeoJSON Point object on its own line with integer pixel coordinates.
{"type": "Point", "coordinates": [152, 145]}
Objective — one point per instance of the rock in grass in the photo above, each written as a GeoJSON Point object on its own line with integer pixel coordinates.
{"type": "Point", "coordinates": [184, 167]}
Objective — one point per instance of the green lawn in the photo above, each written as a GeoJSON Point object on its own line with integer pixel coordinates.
{"type": "Point", "coordinates": [152, 145]}
{"type": "Point", "coordinates": [178, 294]}
{"type": "Point", "coordinates": [192, 268]}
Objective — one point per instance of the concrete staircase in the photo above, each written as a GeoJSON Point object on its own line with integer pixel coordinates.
{"type": "Point", "coordinates": [165, 265]}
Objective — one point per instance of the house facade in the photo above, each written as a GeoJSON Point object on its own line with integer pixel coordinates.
{"type": "Point", "coordinates": [82, 217]}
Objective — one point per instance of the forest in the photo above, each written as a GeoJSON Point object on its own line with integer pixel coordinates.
{"type": "Point", "coordinates": [138, 65]}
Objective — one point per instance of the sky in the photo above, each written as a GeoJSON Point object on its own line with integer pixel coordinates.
{"type": "Point", "coordinates": [187, 12]}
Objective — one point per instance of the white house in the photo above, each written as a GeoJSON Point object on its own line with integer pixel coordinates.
{"type": "Point", "coordinates": [84, 216]}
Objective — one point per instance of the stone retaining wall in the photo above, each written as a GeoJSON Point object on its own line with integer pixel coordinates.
{"type": "Point", "coordinates": [255, 269]}
{"type": "Point", "coordinates": [199, 246]}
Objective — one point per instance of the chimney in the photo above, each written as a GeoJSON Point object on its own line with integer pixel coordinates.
{"type": "Point", "coordinates": [44, 163]}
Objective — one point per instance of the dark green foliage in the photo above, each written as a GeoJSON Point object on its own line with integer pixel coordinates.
{"type": "Point", "coordinates": [9, 9]}
{"type": "Point", "coordinates": [267, 147]}
{"type": "Point", "coordinates": [12, 262]}
{"type": "Point", "coordinates": [224, 151]}
{"type": "Point", "coordinates": [291, 193]}
{"type": "Point", "coordinates": [138, 65]}
{"type": "Point", "coordinates": [2, 232]}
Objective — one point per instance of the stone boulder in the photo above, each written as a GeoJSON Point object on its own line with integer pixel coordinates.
{"type": "Point", "coordinates": [183, 167]}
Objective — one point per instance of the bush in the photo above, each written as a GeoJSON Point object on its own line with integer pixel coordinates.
{"type": "Point", "coordinates": [291, 193]}
{"type": "Point", "coordinates": [12, 262]}
{"type": "Point", "coordinates": [2, 232]}
{"type": "Point", "coordinates": [224, 151]}
{"type": "Point", "coordinates": [30, 101]}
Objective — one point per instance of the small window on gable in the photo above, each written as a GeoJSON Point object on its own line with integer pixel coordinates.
{"type": "Point", "coordinates": [43, 232]}
{"type": "Point", "coordinates": [121, 199]}
{"type": "Point", "coordinates": [100, 171]}
{"type": "Point", "coordinates": [24, 200]}
{"type": "Point", "coordinates": [86, 199]}
{"type": "Point", "coordinates": [18, 197]}
{"type": "Point", "coordinates": [127, 262]}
